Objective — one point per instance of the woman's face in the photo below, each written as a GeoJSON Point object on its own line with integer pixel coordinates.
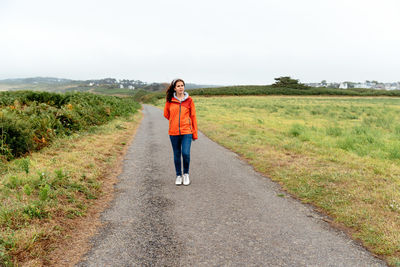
{"type": "Point", "coordinates": [179, 87]}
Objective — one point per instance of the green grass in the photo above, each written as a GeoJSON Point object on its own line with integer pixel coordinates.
{"type": "Point", "coordinates": [364, 127]}
{"type": "Point", "coordinates": [339, 153]}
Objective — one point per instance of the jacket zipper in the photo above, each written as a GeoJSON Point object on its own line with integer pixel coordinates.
{"type": "Point", "coordinates": [180, 118]}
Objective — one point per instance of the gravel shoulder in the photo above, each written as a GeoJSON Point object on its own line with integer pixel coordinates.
{"type": "Point", "coordinates": [229, 215]}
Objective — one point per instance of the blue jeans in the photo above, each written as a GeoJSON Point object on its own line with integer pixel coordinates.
{"type": "Point", "coordinates": [181, 147]}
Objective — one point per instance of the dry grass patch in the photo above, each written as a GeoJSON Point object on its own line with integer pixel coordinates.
{"type": "Point", "coordinates": [50, 201]}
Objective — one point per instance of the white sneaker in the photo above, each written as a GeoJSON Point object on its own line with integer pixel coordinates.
{"type": "Point", "coordinates": [186, 180]}
{"type": "Point", "coordinates": [178, 180]}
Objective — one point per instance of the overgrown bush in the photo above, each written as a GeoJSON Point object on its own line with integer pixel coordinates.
{"type": "Point", "coordinates": [31, 120]}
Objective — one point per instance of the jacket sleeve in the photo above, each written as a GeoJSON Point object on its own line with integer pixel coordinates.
{"type": "Point", "coordinates": [194, 120]}
{"type": "Point", "coordinates": [166, 110]}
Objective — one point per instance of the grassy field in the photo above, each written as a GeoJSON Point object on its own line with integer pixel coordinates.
{"type": "Point", "coordinates": [341, 154]}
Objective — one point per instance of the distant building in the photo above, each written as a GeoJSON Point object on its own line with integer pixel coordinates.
{"type": "Point", "coordinates": [361, 85]}
{"type": "Point", "coordinates": [391, 86]}
{"type": "Point", "coordinates": [343, 85]}
{"type": "Point", "coordinates": [367, 85]}
{"type": "Point", "coordinates": [121, 86]}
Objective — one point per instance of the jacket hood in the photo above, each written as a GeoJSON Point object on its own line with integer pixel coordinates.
{"type": "Point", "coordinates": [185, 96]}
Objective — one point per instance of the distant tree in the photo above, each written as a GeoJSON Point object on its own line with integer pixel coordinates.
{"type": "Point", "coordinates": [287, 82]}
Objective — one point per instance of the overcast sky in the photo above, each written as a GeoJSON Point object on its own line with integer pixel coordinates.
{"type": "Point", "coordinates": [207, 42]}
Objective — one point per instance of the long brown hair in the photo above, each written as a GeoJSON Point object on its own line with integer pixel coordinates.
{"type": "Point", "coordinates": [171, 89]}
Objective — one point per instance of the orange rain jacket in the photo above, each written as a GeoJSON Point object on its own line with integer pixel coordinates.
{"type": "Point", "coordinates": [181, 116]}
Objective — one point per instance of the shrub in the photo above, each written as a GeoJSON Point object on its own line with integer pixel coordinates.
{"type": "Point", "coordinates": [16, 134]}
{"type": "Point", "coordinates": [31, 120]}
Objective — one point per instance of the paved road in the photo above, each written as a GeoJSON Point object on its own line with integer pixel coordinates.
{"type": "Point", "coordinates": [229, 215]}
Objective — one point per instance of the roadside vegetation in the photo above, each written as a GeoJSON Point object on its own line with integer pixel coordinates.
{"type": "Point", "coordinates": [342, 154]}
{"type": "Point", "coordinates": [30, 120]}
{"type": "Point", "coordinates": [56, 153]}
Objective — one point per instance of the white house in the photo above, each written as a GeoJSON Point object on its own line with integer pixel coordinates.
{"type": "Point", "coordinates": [343, 86]}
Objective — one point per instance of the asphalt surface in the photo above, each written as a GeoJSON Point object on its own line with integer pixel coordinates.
{"type": "Point", "coordinates": [229, 216]}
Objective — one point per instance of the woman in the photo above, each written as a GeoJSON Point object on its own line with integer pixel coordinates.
{"type": "Point", "coordinates": [180, 111]}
